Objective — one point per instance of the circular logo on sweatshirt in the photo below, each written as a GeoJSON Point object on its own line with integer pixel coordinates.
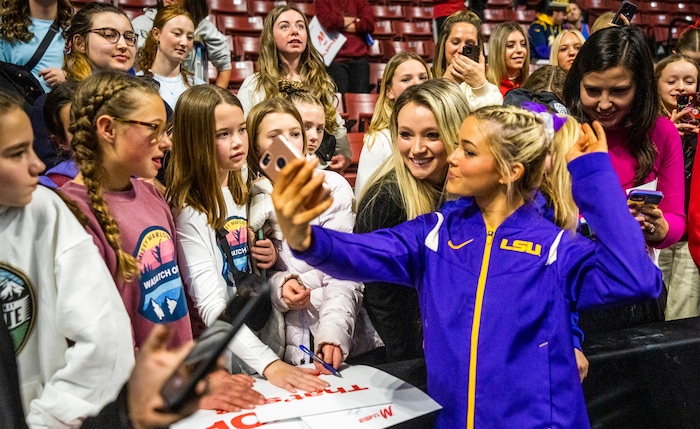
{"type": "Point", "coordinates": [18, 304]}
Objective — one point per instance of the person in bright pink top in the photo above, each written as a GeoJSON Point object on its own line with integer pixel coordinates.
{"type": "Point", "coordinates": [612, 81]}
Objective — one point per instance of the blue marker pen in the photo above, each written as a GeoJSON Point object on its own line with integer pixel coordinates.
{"type": "Point", "coordinates": [329, 367]}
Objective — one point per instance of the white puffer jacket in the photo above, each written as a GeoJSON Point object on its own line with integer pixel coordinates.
{"type": "Point", "coordinates": [336, 315]}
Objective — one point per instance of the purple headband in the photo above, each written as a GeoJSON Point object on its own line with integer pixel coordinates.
{"type": "Point", "coordinates": [552, 123]}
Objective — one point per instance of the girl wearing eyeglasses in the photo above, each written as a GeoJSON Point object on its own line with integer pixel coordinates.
{"type": "Point", "coordinates": [111, 147]}
{"type": "Point", "coordinates": [121, 133]}
{"type": "Point", "coordinates": [100, 38]}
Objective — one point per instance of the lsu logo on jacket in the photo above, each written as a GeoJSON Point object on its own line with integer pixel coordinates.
{"type": "Point", "coordinates": [522, 246]}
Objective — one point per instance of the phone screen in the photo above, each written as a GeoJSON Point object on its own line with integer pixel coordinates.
{"type": "Point", "coordinates": [689, 100]}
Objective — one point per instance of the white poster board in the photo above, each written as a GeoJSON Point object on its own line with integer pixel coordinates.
{"type": "Point", "coordinates": [365, 397]}
{"type": "Point", "coordinates": [327, 43]}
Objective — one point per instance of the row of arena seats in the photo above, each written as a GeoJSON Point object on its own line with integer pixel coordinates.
{"type": "Point", "coordinates": [245, 47]}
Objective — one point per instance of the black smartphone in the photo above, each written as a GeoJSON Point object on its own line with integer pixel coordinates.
{"type": "Point", "coordinates": [201, 360]}
{"type": "Point", "coordinates": [628, 9]}
{"type": "Point", "coordinates": [471, 52]}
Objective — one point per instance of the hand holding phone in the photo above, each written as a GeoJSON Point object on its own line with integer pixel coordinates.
{"type": "Point", "coordinates": [201, 360]}
{"type": "Point", "coordinates": [627, 9]}
{"type": "Point", "coordinates": [471, 52]}
{"type": "Point", "coordinates": [276, 157]}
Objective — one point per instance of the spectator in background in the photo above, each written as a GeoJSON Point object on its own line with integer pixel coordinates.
{"type": "Point", "coordinates": [205, 32]}
{"type": "Point", "coordinates": [546, 27]}
{"type": "Point", "coordinates": [676, 75]}
{"type": "Point", "coordinates": [509, 56]}
{"type": "Point", "coordinates": [574, 20]}
{"type": "Point", "coordinates": [548, 78]}
{"type": "Point", "coordinates": [565, 48]}
{"type": "Point", "coordinates": [689, 43]}
{"type": "Point", "coordinates": [612, 81]}
{"type": "Point", "coordinates": [100, 37]}
{"type": "Point", "coordinates": [287, 55]}
{"type": "Point", "coordinates": [460, 29]}
{"type": "Point", "coordinates": [355, 20]}
{"type": "Point", "coordinates": [403, 70]}
{"type": "Point", "coordinates": [603, 21]}
{"type": "Point", "coordinates": [23, 27]}
{"type": "Point", "coordinates": [57, 116]}
{"type": "Point", "coordinates": [167, 46]}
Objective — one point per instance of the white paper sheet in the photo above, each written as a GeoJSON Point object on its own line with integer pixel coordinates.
{"type": "Point", "coordinates": [364, 397]}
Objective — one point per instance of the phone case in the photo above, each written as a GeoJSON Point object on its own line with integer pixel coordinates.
{"type": "Point", "coordinates": [689, 100]}
{"type": "Point", "coordinates": [638, 196]}
{"type": "Point", "coordinates": [471, 51]}
{"type": "Point", "coordinates": [276, 157]}
{"type": "Point", "coordinates": [627, 9]}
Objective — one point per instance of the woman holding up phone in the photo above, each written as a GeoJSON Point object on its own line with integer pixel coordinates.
{"type": "Point", "coordinates": [611, 82]}
{"type": "Point", "coordinates": [462, 29]}
{"type": "Point", "coordinates": [676, 77]}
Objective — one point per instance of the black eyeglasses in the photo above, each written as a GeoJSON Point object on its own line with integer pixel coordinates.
{"type": "Point", "coordinates": [112, 35]}
{"type": "Point", "coordinates": [159, 129]}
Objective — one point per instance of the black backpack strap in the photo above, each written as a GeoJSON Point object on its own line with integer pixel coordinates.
{"type": "Point", "coordinates": [43, 46]}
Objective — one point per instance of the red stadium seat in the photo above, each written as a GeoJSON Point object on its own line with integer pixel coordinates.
{"type": "Point", "coordinates": [421, 30]}
{"type": "Point", "coordinates": [382, 12]}
{"type": "Point", "coordinates": [360, 108]}
{"type": "Point", "coordinates": [234, 24]}
{"type": "Point", "coordinates": [495, 15]}
{"type": "Point", "coordinates": [418, 13]}
{"type": "Point", "coordinates": [247, 47]}
{"type": "Point", "coordinates": [229, 7]}
{"type": "Point", "coordinates": [239, 71]}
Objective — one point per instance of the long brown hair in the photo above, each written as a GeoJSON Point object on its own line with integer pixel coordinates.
{"type": "Point", "coordinates": [312, 70]}
{"type": "Point", "coordinates": [15, 19]}
{"type": "Point", "coordinates": [194, 144]}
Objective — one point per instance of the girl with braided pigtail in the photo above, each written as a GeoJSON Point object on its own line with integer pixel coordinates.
{"type": "Point", "coordinates": [111, 145]}
{"type": "Point", "coordinates": [119, 139]}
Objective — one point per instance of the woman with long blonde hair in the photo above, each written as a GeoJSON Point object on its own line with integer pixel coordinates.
{"type": "Point", "coordinates": [509, 56]}
{"type": "Point", "coordinates": [424, 126]}
{"type": "Point", "coordinates": [286, 54]}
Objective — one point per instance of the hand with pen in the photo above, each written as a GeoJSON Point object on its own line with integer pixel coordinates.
{"type": "Point", "coordinates": [327, 360]}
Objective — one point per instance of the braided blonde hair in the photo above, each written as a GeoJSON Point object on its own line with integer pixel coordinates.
{"type": "Point", "coordinates": [105, 93]}
{"type": "Point", "coordinates": [515, 135]}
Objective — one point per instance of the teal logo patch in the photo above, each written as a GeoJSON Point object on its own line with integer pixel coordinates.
{"type": "Point", "coordinates": [18, 304]}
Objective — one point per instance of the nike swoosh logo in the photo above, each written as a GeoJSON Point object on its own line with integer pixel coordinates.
{"type": "Point", "coordinates": [459, 246]}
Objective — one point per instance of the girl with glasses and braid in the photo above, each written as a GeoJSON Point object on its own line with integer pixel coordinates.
{"type": "Point", "coordinates": [129, 220]}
